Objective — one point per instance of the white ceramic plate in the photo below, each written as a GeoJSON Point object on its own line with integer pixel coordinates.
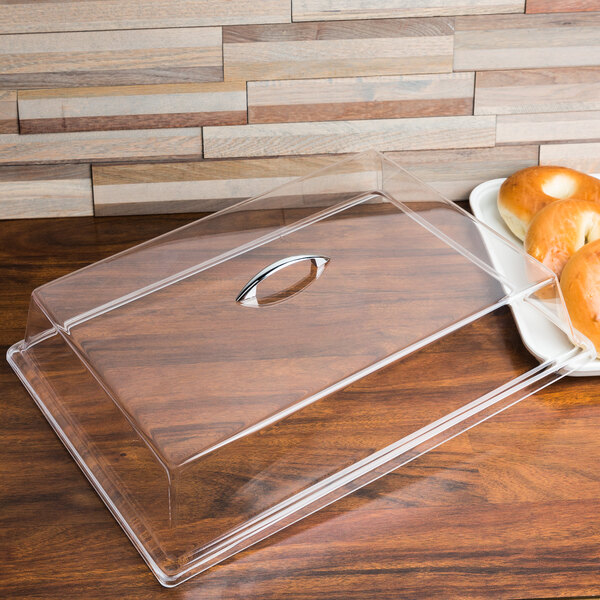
{"type": "Point", "coordinates": [539, 336]}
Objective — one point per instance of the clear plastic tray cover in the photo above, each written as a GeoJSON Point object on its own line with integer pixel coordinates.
{"type": "Point", "coordinates": [223, 380]}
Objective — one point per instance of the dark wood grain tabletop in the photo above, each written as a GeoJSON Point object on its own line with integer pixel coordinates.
{"type": "Point", "coordinates": [510, 509]}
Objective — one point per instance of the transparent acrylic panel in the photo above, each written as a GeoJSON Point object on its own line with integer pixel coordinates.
{"type": "Point", "coordinates": [223, 380]}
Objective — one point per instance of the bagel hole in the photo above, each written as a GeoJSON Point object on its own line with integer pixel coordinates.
{"type": "Point", "coordinates": [560, 186]}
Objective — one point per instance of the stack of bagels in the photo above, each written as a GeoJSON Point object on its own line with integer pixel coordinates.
{"type": "Point", "coordinates": [556, 212]}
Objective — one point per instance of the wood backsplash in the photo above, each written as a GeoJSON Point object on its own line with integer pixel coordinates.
{"type": "Point", "coordinates": [149, 106]}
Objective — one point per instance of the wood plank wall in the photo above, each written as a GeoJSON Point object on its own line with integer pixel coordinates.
{"type": "Point", "coordinates": [146, 106]}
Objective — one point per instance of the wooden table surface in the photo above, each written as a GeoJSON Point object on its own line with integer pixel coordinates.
{"type": "Point", "coordinates": [508, 510]}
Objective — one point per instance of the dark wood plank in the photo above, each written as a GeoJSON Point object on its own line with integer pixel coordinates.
{"type": "Point", "coordinates": [559, 6]}
{"type": "Point", "coordinates": [8, 112]}
{"type": "Point", "coordinates": [508, 510]}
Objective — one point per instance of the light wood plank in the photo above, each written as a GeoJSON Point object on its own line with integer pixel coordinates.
{"type": "Point", "coordinates": [583, 157]}
{"type": "Point", "coordinates": [24, 16]}
{"type": "Point", "coordinates": [348, 136]}
{"type": "Point", "coordinates": [35, 191]}
{"type": "Point", "coordinates": [213, 185]}
{"type": "Point", "coordinates": [454, 173]}
{"type": "Point", "coordinates": [527, 41]}
{"type": "Point", "coordinates": [548, 127]}
{"type": "Point", "coordinates": [537, 91]}
{"type": "Point", "coordinates": [110, 57]}
{"type": "Point", "coordinates": [360, 98]}
{"type": "Point", "coordinates": [334, 10]}
{"type": "Point", "coordinates": [307, 50]}
{"type": "Point", "coordinates": [552, 6]}
{"type": "Point", "coordinates": [193, 186]}
{"type": "Point", "coordinates": [8, 112]}
{"type": "Point", "coordinates": [143, 144]}
{"type": "Point", "coordinates": [132, 107]}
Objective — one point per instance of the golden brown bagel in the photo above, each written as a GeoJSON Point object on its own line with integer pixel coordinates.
{"type": "Point", "coordinates": [527, 191]}
{"type": "Point", "coordinates": [580, 284]}
{"type": "Point", "coordinates": [558, 230]}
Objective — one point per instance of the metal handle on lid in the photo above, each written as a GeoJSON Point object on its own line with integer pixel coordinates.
{"type": "Point", "coordinates": [248, 297]}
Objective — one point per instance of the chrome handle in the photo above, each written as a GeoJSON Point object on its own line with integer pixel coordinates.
{"type": "Point", "coordinates": [248, 296]}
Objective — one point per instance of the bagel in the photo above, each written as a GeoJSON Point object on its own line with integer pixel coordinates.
{"type": "Point", "coordinates": [580, 282]}
{"type": "Point", "coordinates": [560, 229]}
{"type": "Point", "coordinates": [527, 191]}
